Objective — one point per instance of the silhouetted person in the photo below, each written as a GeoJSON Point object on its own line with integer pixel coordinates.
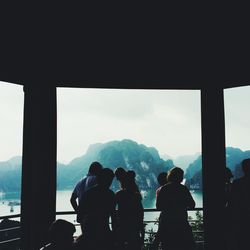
{"type": "Point", "coordinates": [173, 200]}
{"type": "Point", "coordinates": [239, 209]}
{"type": "Point", "coordinates": [84, 185]}
{"type": "Point", "coordinates": [120, 173]}
{"type": "Point", "coordinates": [61, 236]}
{"type": "Point", "coordinates": [131, 176]}
{"type": "Point", "coordinates": [96, 208]}
{"type": "Point", "coordinates": [130, 228]}
{"type": "Point", "coordinates": [162, 180]}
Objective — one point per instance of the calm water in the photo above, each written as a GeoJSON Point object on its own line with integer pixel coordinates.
{"type": "Point", "coordinates": [63, 204]}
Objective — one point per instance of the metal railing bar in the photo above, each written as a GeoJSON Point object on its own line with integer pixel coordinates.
{"type": "Point", "coordinates": [145, 210]}
{"type": "Point", "coordinates": [9, 241]}
{"type": "Point", "coordinates": [9, 229]}
{"type": "Point", "coordinates": [10, 216]}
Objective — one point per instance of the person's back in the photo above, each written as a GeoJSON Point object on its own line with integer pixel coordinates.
{"type": "Point", "coordinates": [84, 185]}
{"type": "Point", "coordinates": [130, 210]}
{"type": "Point", "coordinates": [97, 207]}
{"type": "Point", "coordinates": [174, 199]}
{"type": "Point", "coordinates": [130, 231]}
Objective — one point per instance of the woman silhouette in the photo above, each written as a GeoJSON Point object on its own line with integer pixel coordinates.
{"type": "Point", "coordinates": [130, 231]}
{"type": "Point", "coordinates": [173, 200]}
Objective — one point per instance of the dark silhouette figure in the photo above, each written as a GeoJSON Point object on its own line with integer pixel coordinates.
{"type": "Point", "coordinates": [96, 208]}
{"type": "Point", "coordinates": [61, 236]}
{"type": "Point", "coordinates": [162, 180]}
{"type": "Point", "coordinates": [129, 228]}
{"type": "Point", "coordinates": [239, 209]}
{"type": "Point", "coordinates": [84, 185]}
{"type": "Point", "coordinates": [173, 200]}
{"type": "Point", "coordinates": [131, 177]}
{"type": "Point", "coordinates": [120, 173]}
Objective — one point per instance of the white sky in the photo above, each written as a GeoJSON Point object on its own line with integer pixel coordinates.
{"type": "Point", "coordinates": [11, 120]}
{"type": "Point", "coordinates": [237, 117]}
{"type": "Point", "coordinates": [168, 120]}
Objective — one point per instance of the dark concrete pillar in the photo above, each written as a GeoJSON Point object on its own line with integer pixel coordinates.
{"type": "Point", "coordinates": [213, 161]}
{"type": "Point", "coordinates": [38, 198]}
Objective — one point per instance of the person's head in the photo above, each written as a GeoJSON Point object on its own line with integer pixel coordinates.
{"type": "Point", "coordinates": [228, 174]}
{"type": "Point", "coordinates": [95, 168]}
{"type": "Point", "coordinates": [61, 233]}
{"type": "Point", "coordinates": [106, 177]}
{"type": "Point", "coordinates": [175, 175]}
{"type": "Point", "coordinates": [131, 175]}
{"type": "Point", "coordinates": [120, 173]}
{"type": "Point", "coordinates": [246, 167]}
{"type": "Point", "coordinates": [128, 182]}
{"type": "Point", "coordinates": [162, 178]}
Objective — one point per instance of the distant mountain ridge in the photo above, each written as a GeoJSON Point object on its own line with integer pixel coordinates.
{"type": "Point", "coordinates": [145, 161]}
{"type": "Point", "coordinates": [234, 157]}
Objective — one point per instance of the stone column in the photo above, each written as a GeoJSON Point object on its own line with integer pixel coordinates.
{"type": "Point", "coordinates": [213, 165]}
{"type": "Point", "coordinates": [38, 197]}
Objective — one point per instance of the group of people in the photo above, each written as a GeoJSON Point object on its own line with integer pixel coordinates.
{"type": "Point", "coordinates": [97, 206]}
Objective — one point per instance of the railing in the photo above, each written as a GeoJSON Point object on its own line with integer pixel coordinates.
{"type": "Point", "coordinates": [10, 237]}
{"type": "Point", "coordinates": [150, 227]}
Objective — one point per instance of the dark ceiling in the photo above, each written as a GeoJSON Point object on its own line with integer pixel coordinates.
{"type": "Point", "coordinates": [185, 52]}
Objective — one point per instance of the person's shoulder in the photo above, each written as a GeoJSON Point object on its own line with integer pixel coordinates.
{"type": "Point", "coordinates": [119, 192]}
{"type": "Point", "coordinates": [80, 182]}
{"type": "Point", "coordinates": [240, 183]}
{"type": "Point", "coordinates": [91, 177]}
{"type": "Point", "coordinates": [184, 187]}
{"type": "Point", "coordinates": [164, 187]}
{"type": "Point", "coordinates": [138, 196]}
{"type": "Point", "coordinates": [91, 191]}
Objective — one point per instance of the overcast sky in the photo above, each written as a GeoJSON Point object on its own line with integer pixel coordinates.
{"type": "Point", "coordinates": [11, 120]}
{"type": "Point", "coordinates": [168, 120]}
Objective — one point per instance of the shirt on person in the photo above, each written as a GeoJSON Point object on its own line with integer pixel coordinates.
{"type": "Point", "coordinates": [84, 185]}
{"type": "Point", "coordinates": [97, 206]}
{"type": "Point", "coordinates": [174, 200]}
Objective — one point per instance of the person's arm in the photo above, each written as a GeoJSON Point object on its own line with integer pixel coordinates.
{"type": "Point", "coordinates": [190, 200]}
{"type": "Point", "coordinates": [73, 202]}
{"type": "Point", "coordinates": [159, 200]}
